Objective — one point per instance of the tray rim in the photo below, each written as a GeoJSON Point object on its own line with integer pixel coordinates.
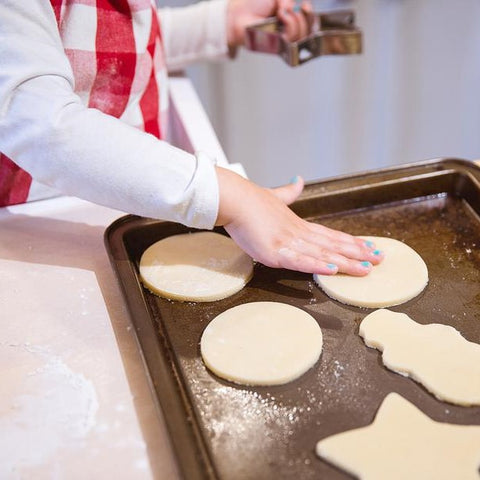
{"type": "Point", "coordinates": [191, 452]}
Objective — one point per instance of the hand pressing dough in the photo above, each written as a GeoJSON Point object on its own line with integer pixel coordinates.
{"type": "Point", "coordinates": [261, 343]}
{"type": "Point", "coordinates": [403, 443]}
{"type": "Point", "coordinates": [197, 267]}
{"type": "Point", "coordinates": [400, 277]}
{"type": "Point", "coordinates": [437, 356]}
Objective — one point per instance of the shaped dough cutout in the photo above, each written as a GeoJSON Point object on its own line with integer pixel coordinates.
{"type": "Point", "coordinates": [401, 276]}
{"type": "Point", "coordinates": [437, 356]}
{"type": "Point", "coordinates": [261, 343]}
{"type": "Point", "coordinates": [198, 267]}
{"type": "Point", "coordinates": [403, 443]}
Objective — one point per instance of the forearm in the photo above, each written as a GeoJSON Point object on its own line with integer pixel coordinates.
{"type": "Point", "coordinates": [85, 153]}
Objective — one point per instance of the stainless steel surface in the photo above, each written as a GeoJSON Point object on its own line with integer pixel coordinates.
{"type": "Point", "coordinates": [332, 33]}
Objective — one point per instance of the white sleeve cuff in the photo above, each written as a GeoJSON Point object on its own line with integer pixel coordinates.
{"type": "Point", "coordinates": [202, 211]}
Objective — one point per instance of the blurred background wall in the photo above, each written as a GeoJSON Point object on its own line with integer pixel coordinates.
{"type": "Point", "coordinates": [413, 94]}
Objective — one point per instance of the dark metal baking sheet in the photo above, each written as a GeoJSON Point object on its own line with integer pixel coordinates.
{"type": "Point", "coordinates": [220, 430]}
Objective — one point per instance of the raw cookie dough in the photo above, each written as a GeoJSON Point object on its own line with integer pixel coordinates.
{"type": "Point", "coordinates": [400, 277]}
{"type": "Point", "coordinates": [261, 343]}
{"type": "Point", "coordinates": [403, 443]}
{"type": "Point", "coordinates": [197, 267]}
{"type": "Point", "coordinates": [435, 355]}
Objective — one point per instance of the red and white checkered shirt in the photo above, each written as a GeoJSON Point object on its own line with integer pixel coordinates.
{"type": "Point", "coordinates": [116, 54]}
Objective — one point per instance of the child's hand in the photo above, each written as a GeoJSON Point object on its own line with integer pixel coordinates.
{"type": "Point", "coordinates": [260, 222]}
{"type": "Point", "coordinates": [243, 13]}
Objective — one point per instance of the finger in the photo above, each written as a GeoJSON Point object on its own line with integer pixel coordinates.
{"type": "Point", "coordinates": [351, 250]}
{"type": "Point", "coordinates": [285, 4]}
{"type": "Point", "coordinates": [287, 17]}
{"type": "Point", "coordinates": [374, 254]}
{"type": "Point", "coordinates": [329, 265]}
{"type": "Point", "coordinates": [355, 251]}
{"type": "Point", "coordinates": [353, 247]}
{"type": "Point", "coordinates": [299, 262]}
{"type": "Point", "coordinates": [334, 234]}
{"type": "Point", "coordinates": [334, 254]}
{"type": "Point", "coordinates": [307, 6]}
{"type": "Point", "coordinates": [369, 251]}
{"type": "Point", "coordinates": [302, 22]}
{"type": "Point", "coordinates": [312, 21]}
{"type": "Point", "coordinates": [350, 266]}
{"type": "Point", "coordinates": [294, 21]}
{"type": "Point", "coordinates": [357, 268]}
{"type": "Point", "coordinates": [353, 267]}
{"type": "Point", "coordinates": [289, 193]}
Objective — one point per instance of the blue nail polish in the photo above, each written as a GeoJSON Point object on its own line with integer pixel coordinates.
{"type": "Point", "coordinates": [377, 252]}
{"type": "Point", "coordinates": [369, 244]}
{"type": "Point", "coordinates": [296, 8]}
{"type": "Point", "coordinates": [294, 179]}
{"type": "Point", "coordinates": [366, 264]}
{"type": "Point", "coordinates": [331, 266]}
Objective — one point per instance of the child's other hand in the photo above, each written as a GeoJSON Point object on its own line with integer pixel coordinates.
{"type": "Point", "coordinates": [243, 13]}
{"type": "Point", "coordinates": [260, 222]}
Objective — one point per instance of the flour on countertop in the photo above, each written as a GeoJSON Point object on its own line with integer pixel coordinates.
{"type": "Point", "coordinates": [56, 407]}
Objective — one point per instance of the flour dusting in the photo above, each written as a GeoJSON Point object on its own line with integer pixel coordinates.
{"type": "Point", "coordinates": [39, 425]}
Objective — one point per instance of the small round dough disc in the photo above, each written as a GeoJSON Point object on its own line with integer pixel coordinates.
{"type": "Point", "coordinates": [261, 343]}
{"type": "Point", "coordinates": [400, 277]}
{"type": "Point", "coordinates": [197, 267]}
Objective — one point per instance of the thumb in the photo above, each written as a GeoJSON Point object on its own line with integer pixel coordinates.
{"type": "Point", "coordinates": [289, 193]}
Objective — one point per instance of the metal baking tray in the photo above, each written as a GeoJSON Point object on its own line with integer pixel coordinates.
{"type": "Point", "coordinates": [330, 33]}
{"type": "Point", "coordinates": [221, 430]}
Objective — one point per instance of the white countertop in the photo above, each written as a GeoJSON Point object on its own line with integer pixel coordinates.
{"type": "Point", "coordinates": [75, 400]}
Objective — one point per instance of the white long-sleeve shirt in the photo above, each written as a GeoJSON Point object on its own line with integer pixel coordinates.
{"type": "Point", "coordinates": [48, 129]}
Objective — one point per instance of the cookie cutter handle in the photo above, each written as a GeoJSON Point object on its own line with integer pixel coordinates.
{"type": "Point", "coordinates": [332, 33]}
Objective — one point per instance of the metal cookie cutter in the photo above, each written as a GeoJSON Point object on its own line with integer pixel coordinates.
{"type": "Point", "coordinates": [331, 33]}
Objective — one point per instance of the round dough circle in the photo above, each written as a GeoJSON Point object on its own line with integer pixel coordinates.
{"type": "Point", "coordinates": [197, 267]}
{"type": "Point", "coordinates": [261, 343]}
{"type": "Point", "coordinates": [400, 277]}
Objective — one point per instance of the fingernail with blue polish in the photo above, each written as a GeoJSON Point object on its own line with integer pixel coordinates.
{"type": "Point", "coordinates": [331, 266]}
{"type": "Point", "coordinates": [377, 252]}
{"type": "Point", "coordinates": [296, 8]}
{"type": "Point", "coordinates": [366, 264]}
{"type": "Point", "coordinates": [369, 244]}
{"type": "Point", "coordinates": [294, 179]}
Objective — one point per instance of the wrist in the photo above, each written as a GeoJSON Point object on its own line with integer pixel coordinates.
{"type": "Point", "coordinates": [233, 189]}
